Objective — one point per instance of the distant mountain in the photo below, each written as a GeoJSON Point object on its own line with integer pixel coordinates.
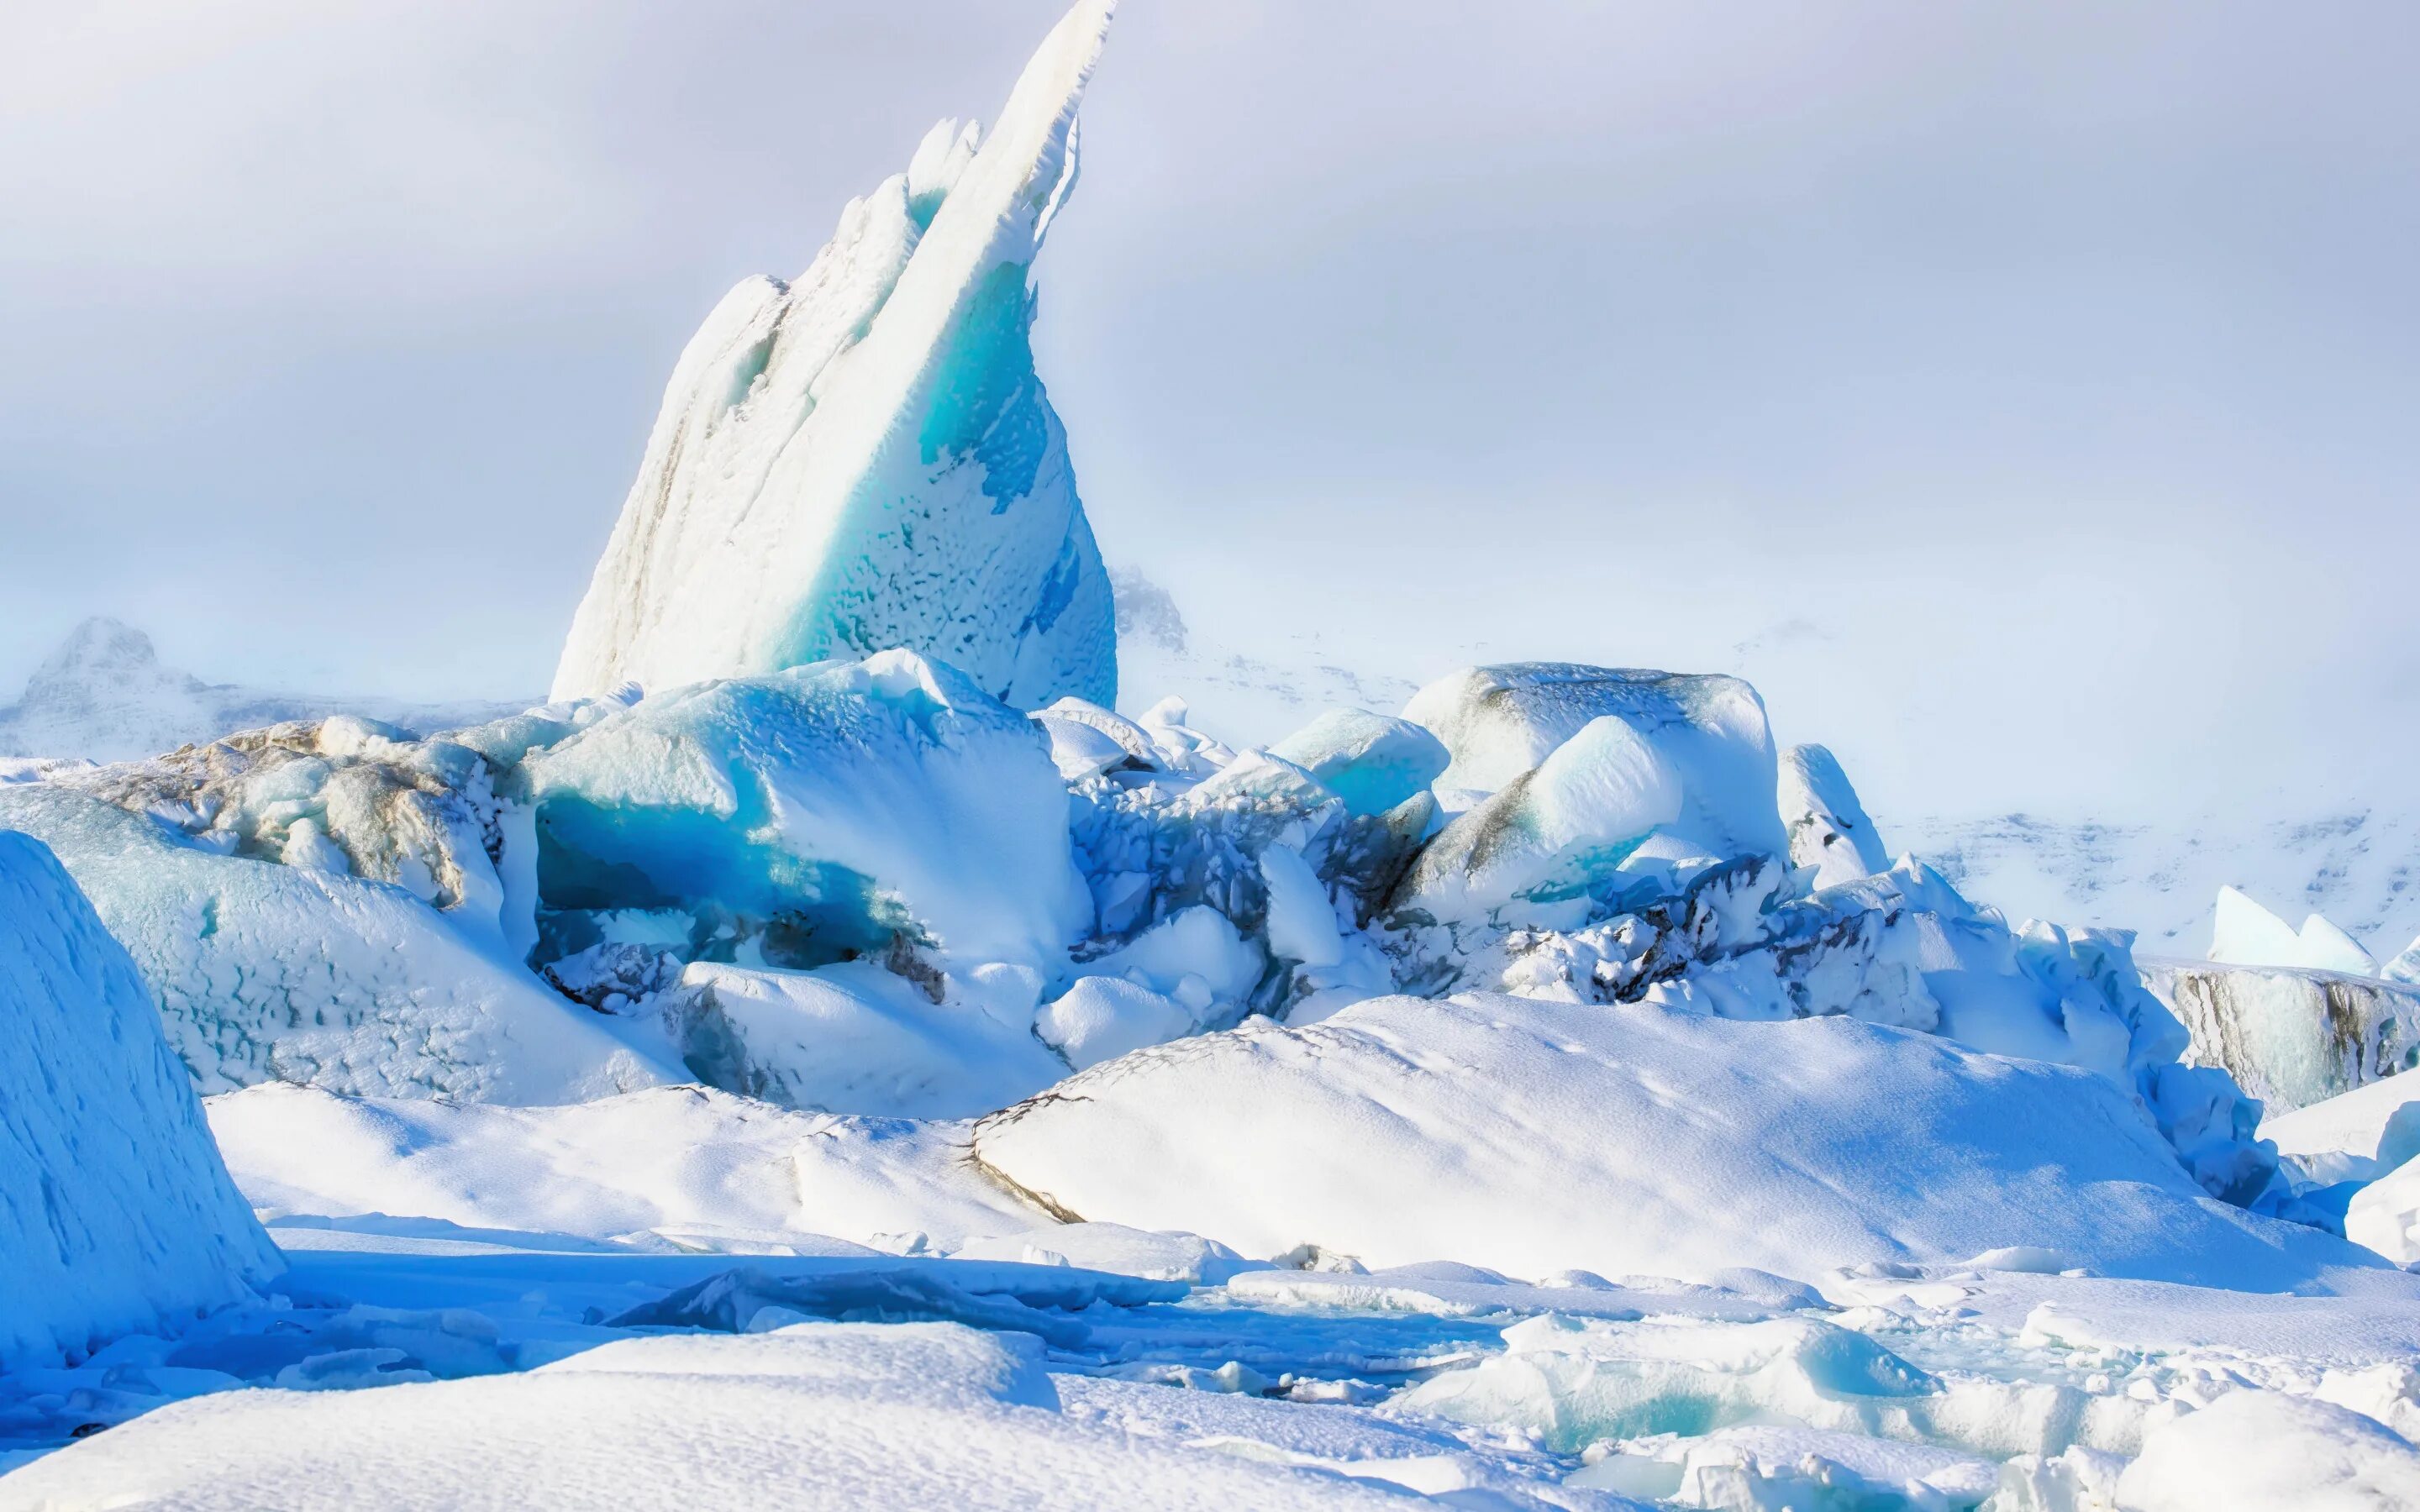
{"type": "Point", "coordinates": [2359, 867]}
{"type": "Point", "coordinates": [104, 696]}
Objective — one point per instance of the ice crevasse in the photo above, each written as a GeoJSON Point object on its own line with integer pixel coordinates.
{"type": "Point", "coordinates": [864, 459]}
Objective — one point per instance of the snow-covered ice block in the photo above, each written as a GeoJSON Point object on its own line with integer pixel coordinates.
{"type": "Point", "coordinates": [2243, 934]}
{"type": "Point", "coordinates": [858, 1038]}
{"type": "Point", "coordinates": [2384, 1215]}
{"type": "Point", "coordinates": [1100, 1018]}
{"type": "Point", "coordinates": [1828, 828]}
{"type": "Point", "coordinates": [821, 812]}
{"type": "Point", "coordinates": [1712, 731]}
{"type": "Point", "coordinates": [269, 972]}
{"type": "Point", "coordinates": [116, 1213]}
{"type": "Point", "coordinates": [2292, 1037]}
{"type": "Point", "coordinates": [1533, 1136]}
{"type": "Point", "coordinates": [2264, 1451]}
{"type": "Point", "coordinates": [864, 459]}
{"type": "Point", "coordinates": [2350, 1123]}
{"type": "Point", "coordinates": [1551, 834]}
{"type": "Point", "coordinates": [1371, 762]}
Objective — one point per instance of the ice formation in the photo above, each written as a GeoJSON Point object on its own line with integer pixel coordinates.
{"type": "Point", "coordinates": [2290, 1037]}
{"type": "Point", "coordinates": [285, 969]}
{"type": "Point", "coordinates": [2243, 934]}
{"type": "Point", "coordinates": [864, 459]}
{"type": "Point", "coordinates": [1709, 733]}
{"type": "Point", "coordinates": [115, 1214]}
{"type": "Point", "coordinates": [1828, 828]}
{"type": "Point", "coordinates": [1224, 1057]}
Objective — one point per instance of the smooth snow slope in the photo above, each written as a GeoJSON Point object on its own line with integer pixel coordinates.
{"type": "Point", "coordinates": [116, 1214]}
{"type": "Point", "coordinates": [864, 459]}
{"type": "Point", "coordinates": [1533, 1136]}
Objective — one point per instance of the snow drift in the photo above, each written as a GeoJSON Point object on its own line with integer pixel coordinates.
{"type": "Point", "coordinates": [115, 1214]}
{"type": "Point", "coordinates": [864, 459]}
{"type": "Point", "coordinates": [1533, 1136]}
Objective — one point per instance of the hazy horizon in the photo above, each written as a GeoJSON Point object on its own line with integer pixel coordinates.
{"type": "Point", "coordinates": [2017, 397]}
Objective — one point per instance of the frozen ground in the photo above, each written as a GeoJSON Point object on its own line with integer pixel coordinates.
{"type": "Point", "coordinates": [680, 1298]}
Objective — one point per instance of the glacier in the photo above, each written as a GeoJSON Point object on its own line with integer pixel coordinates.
{"type": "Point", "coordinates": [864, 459]}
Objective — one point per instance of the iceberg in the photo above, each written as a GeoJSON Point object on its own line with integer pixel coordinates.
{"type": "Point", "coordinates": [2292, 1037]}
{"type": "Point", "coordinates": [116, 1214]}
{"type": "Point", "coordinates": [864, 459]}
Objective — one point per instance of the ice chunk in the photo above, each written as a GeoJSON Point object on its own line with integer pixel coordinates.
{"type": "Point", "coordinates": [2243, 934]}
{"type": "Point", "coordinates": [1500, 721]}
{"type": "Point", "coordinates": [2385, 1215]}
{"type": "Point", "coordinates": [2350, 1123]}
{"type": "Point", "coordinates": [1103, 1017]}
{"type": "Point", "coordinates": [1553, 830]}
{"type": "Point", "coordinates": [1828, 828]}
{"type": "Point", "coordinates": [2291, 1037]}
{"type": "Point", "coordinates": [864, 459]}
{"type": "Point", "coordinates": [856, 1038]}
{"type": "Point", "coordinates": [1532, 1135]}
{"type": "Point", "coordinates": [2258, 1451]}
{"type": "Point", "coordinates": [265, 972]}
{"type": "Point", "coordinates": [819, 814]}
{"type": "Point", "coordinates": [115, 1214]}
{"type": "Point", "coordinates": [1371, 762]}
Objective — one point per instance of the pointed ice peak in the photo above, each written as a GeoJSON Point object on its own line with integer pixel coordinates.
{"type": "Point", "coordinates": [939, 163]}
{"type": "Point", "coordinates": [2245, 934]}
{"type": "Point", "coordinates": [865, 460]}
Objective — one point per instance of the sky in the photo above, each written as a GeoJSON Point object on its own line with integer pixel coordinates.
{"type": "Point", "coordinates": [2020, 394]}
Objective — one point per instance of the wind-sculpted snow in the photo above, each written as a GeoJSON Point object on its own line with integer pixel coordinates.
{"type": "Point", "coordinates": [864, 459]}
{"type": "Point", "coordinates": [115, 1214]}
{"type": "Point", "coordinates": [1533, 1137]}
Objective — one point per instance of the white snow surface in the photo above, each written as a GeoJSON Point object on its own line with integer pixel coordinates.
{"type": "Point", "coordinates": [837, 1415]}
{"type": "Point", "coordinates": [116, 1213]}
{"type": "Point", "coordinates": [687, 1166]}
{"type": "Point", "coordinates": [2268, 1452]}
{"type": "Point", "coordinates": [269, 972]}
{"type": "Point", "coordinates": [1535, 1135]}
{"type": "Point", "coordinates": [864, 459]}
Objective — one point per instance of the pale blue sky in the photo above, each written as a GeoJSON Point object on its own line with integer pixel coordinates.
{"type": "Point", "coordinates": [2020, 392]}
